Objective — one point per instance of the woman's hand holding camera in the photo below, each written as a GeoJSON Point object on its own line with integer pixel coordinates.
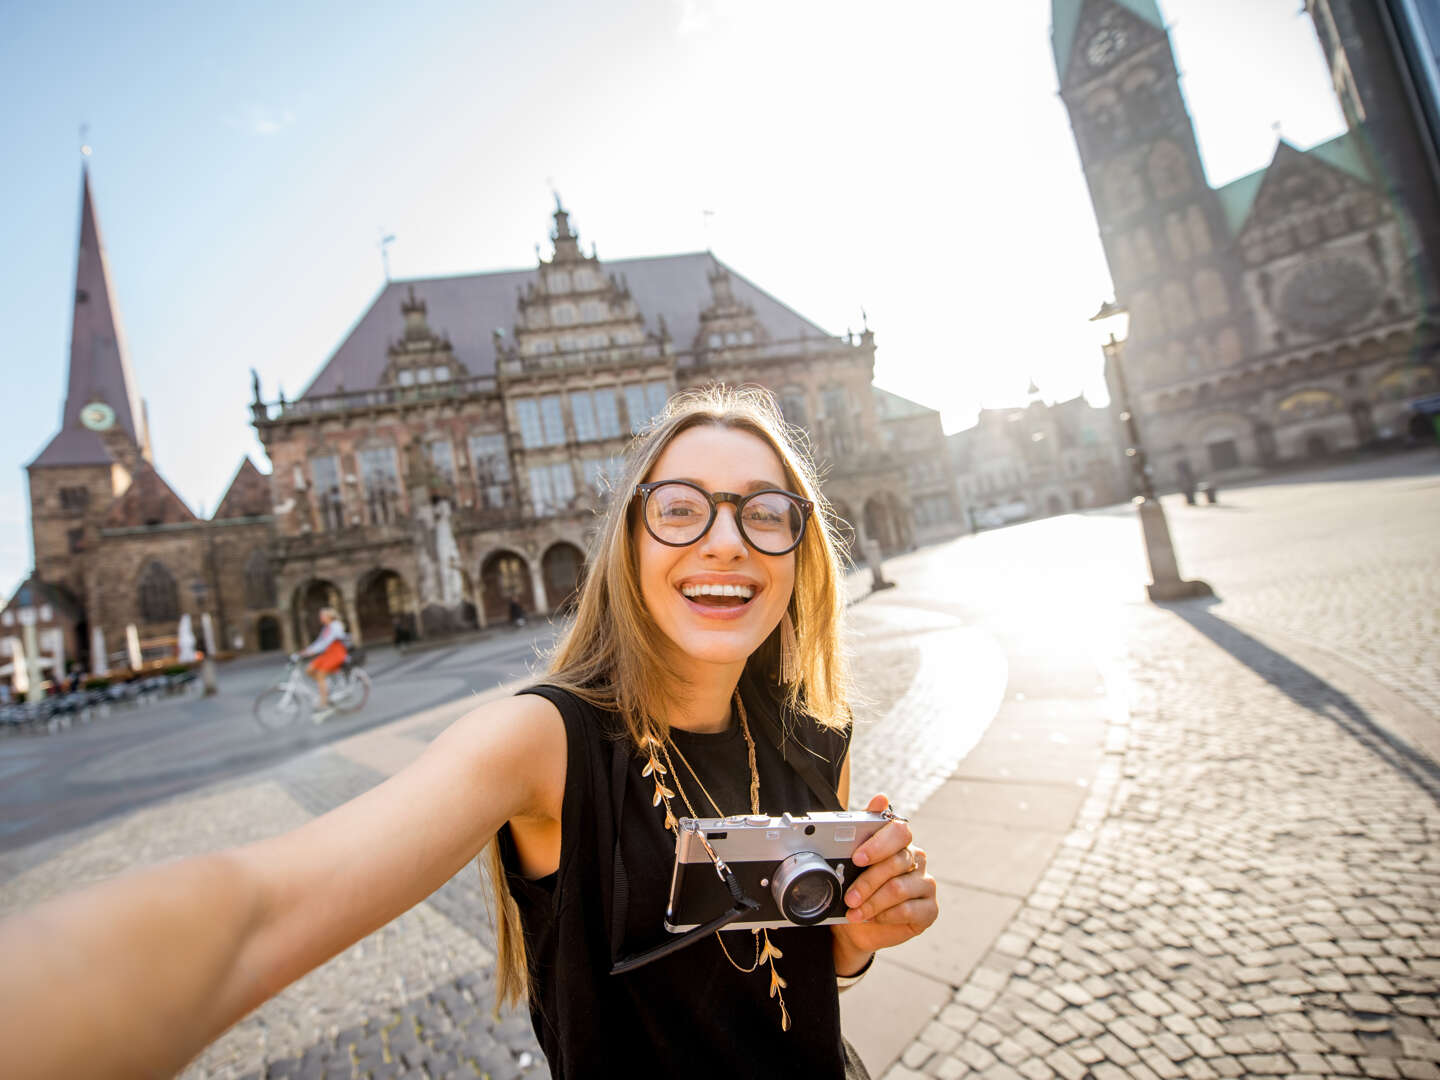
{"type": "Point", "coordinates": [891, 901]}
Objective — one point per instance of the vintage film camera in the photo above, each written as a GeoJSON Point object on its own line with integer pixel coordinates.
{"type": "Point", "coordinates": [797, 868]}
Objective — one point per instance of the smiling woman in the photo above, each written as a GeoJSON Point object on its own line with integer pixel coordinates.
{"type": "Point", "coordinates": [701, 677]}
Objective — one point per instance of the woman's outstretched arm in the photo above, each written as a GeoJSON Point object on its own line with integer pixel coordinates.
{"type": "Point", "coordinates": [134, 976]}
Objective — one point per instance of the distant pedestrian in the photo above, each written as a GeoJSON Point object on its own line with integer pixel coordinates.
{"type": "Point", "coordinates": [517, 613]}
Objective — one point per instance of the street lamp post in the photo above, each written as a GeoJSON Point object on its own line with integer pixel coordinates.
{"type": "Point", "coordinates": [1165, 580]}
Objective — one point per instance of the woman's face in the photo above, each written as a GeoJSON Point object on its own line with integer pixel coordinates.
{"type": "Point", "coordinates": [710, 629]}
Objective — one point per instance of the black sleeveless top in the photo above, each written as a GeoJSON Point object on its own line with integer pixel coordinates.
{"type": "Point", "coordinates": [691, 1013]}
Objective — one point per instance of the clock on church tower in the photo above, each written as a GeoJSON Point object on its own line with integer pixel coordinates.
{"type": "Point", "coordinates": [97, 416]}
{"type": "Point", "coordinates": [1105, 45]}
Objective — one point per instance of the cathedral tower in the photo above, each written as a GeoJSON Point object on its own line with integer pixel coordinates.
{"type": "Point", "coordinates": [1162, 227]}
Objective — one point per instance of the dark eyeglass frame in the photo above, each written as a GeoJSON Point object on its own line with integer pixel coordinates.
{"type": "Point", "coordinates": [715, 498]}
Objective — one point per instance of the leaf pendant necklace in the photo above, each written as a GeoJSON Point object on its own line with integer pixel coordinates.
{"type": "Point", "coordinates": [656, 750]}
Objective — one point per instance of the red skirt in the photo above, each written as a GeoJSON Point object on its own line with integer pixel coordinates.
{"type": "Point", "coordinates": [329, 660]}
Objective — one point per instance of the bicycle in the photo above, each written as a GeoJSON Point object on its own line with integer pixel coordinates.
{"type": "Point", "coordinates": [296, 696]}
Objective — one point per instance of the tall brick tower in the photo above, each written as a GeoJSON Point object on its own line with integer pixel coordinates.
{"type": "Point", "coordinates": [1162, 226]}
{"type": "Point", "coordinates": [104, 436]}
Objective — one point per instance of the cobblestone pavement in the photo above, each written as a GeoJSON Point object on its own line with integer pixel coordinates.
{"type": "Point", "coordinates": [1346, 559]}
{"type": "Point", "coordinates": [1252, 889]}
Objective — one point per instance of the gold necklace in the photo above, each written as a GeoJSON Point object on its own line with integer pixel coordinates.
{"type": "Point", "coordinates": [766, 952]}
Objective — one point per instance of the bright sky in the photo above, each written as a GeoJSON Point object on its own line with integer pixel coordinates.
{"type": "Point", "coordinates": [910, 158]}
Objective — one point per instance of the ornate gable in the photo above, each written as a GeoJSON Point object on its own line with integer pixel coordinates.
{"type": "Point", "coordinates": [727, 324]}
{"type": "Point", "coordinates": [421, 356]}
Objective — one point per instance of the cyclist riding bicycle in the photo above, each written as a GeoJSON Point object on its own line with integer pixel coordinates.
{"type": "Point", "coordinates": [329, 652]}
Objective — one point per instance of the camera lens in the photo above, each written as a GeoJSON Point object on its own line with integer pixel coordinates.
{"type": "Point", "coordinates": [804, 888]}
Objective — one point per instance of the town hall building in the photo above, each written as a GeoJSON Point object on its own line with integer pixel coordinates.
{"type": "Point", "coordinates": [446, 463]}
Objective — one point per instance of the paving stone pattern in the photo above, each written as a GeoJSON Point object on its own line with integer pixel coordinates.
{"type": "Point", "coordinates": [1346, 560]}
{"type": "Point", "coordinates": [1252, 889]}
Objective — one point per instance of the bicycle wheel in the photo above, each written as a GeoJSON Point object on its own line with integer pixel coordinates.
{"type": "Point", "coordinates": [350, 694]}
{"type": "Point", "coordinates": [274, 709]}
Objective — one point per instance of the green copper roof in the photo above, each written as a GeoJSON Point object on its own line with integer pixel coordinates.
{"type": "Point", "coordinates": [1065, 20]}
{"type": "Point", "coordinates": [1238, 196]}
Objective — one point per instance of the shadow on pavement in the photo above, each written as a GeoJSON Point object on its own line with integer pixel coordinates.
{"type": "Point", "coordinates": [1313, 693]}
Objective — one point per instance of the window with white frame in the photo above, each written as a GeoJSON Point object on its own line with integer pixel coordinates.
{"type": "Point", "coordinates": [442, 457]}
{"type": "Point", "coordinates": [551, 488]}
{"type": "Point", "coordinates": [563, 314]}
{"type": "Point", "coordinates": [380, 484]}
{"type": "Point", "coordinates": [582, 411]}
{"type": "Point", "coordinates": [559, 281]}
{"type": "Point", "coordinates": [593, 311]}
{"type": "Point", "coordinates": [603, 473]}
{"type": "Point", "coordinates": [325, 488]}
{"type": "Point", "coordinates": [607, 414]}
{"type": "Point", "coordinates": [552, 420]}
{"type": "Point", "coordinates": [491, 462]}
{"type": "Point", "coordinates": [527, 415]}
{"type": "Point", "coordinates": [635, 406]}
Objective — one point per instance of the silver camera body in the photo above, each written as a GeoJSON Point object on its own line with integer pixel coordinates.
{"type": "Point", "coordinates": [797, 868]}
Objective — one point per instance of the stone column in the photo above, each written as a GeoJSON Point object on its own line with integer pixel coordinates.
{"type": "Point", "coordinates": [99, 662]}
{"type": "Point", "coordinates": [537, 583]}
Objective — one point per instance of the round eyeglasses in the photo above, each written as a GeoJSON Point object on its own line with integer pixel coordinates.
{"type": "Point", "coordinates": [679, 513]}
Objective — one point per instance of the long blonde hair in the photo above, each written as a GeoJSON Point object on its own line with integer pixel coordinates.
{"type": "Point", "coordinates": [611, 656]}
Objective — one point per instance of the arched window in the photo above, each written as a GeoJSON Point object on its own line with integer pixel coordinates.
{"type": "Point", "coordinates": [1123, 191]}
{"type": "Point", "coordinates": [1178, 310]}
{"type": "Point", "coordinates": [159, 601]}
{"type": "Point", "coordinates": [259, 582]}
{"type": "Point", "coordinates": [1199, 231]}
{"type": "Point", "coordinates": [1169, 171]}
{"type": "Point", "coordinates": [1179, 238]}
{"type": "Point", "coordinates": [1210, 294]}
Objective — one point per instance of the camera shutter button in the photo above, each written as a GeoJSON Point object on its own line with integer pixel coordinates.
{"type": "Point", "coordinates": [758, 819]}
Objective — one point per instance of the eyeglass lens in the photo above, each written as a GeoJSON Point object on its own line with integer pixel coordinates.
{"type": "Point", "coordinates": [679, 514]}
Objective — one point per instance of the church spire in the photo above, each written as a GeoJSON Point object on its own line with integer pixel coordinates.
{"type": "Point", "coordinates": [99, 362]}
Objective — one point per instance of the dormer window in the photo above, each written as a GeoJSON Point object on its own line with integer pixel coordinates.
{"type": "Point", "coordinates": [584, 280]}
{"type": "Point", "coordinates": [423, 375]}
{"type": "Point", "coordinates": [564, 314]}
{"type": "Point", "coordinates": [747, 337]}
{"type": "Point", "coordinates": [559, 282]}
{"type": "Point", "coordinates": [716, 341]}
{"type": "Point", "coordinates": [442, 374]}
{"type": "Point", "coordinates": [407, 378]}
{"type": "Point", "coordinates": [732, 338]}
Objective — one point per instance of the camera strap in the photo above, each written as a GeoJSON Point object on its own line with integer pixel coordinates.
{"type": "Point", "coordinates": [743, 905]}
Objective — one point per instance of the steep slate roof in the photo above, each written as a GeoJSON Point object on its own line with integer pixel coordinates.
{"type": "Point", "coordinates": [74, 445]}
{"type": "Point", "coordinates": [248, 494]}
{"type": "Point", "coordinates": [894, 407]}
{"type": "Point", "coordinates": [149, 500]}
{"type": "Point", "coordinates": [1238, 196]}
{"type": "Point", "coordinates": [1065, 21]}
{"type": "Point", "coordinates": [99, 362]}
{"type": "Point", "coordinates": [469, 308]}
